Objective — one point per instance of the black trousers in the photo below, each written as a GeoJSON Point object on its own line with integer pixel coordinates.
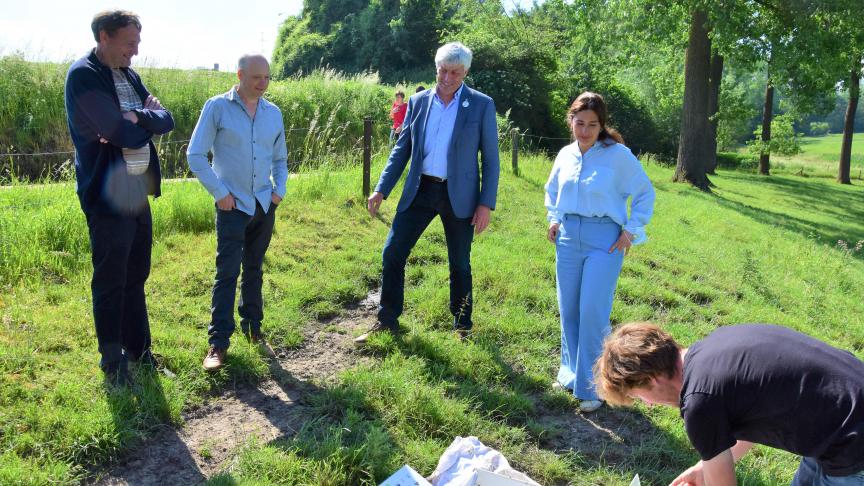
{"type": "Point", "coordinates": [121, 246]}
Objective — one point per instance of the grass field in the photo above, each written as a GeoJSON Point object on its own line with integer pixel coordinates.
{"type": "Point", "coordinates": [821, 155]}
{"type": "Point", "coordinates": [758, 249]}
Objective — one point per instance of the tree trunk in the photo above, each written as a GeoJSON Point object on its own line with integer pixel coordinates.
{"type": "Point", "coordinates": [849, 126]}
{"type": "Point", "coordinates": [693, 149]}
{"type": "Point", "coordinates": [767, 115]}
{"type": "Point", "coordinates": [716, 76]}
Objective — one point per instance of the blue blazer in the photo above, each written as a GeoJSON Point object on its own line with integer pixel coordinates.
{"type": "Point", "coordinates": [475, 132]}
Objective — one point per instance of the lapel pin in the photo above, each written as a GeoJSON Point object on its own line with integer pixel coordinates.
{"type": "Point", "coordinates": [465, 104]}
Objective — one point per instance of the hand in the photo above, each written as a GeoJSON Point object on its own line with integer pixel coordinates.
{"type": "Point", "coordinates": [152, 103]}
{"type": "Point", "coordinates": [131, 116]}
{"type": "Point", "coordinates": [552, 235]}
{"type": "Point", "coordinates": [374, 202]}
{"type": "Point", "coordinates": [275, 198]}
{"type": "Point", "coordinates": [102, 139]}
{"type": "Point", "coordinates": [399, 129]}
{"type": "Point", "coordinates": [690, 477]}
{"type": "Point", "coordinates": [625, 241]}
{"type": "Point", "coordinates": [227, 203]}
{"type": "Point", "coordinates": [481, 219]}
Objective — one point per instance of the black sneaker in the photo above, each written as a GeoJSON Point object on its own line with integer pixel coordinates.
{"type": "Point", "coordinates": [118, 377]}
{"type": "Point", "coordinates": [148, 362]}
{"type": "Point", "coordinates": [257, 338]}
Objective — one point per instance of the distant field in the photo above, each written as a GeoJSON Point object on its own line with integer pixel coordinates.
{"type": "Point", "coordinates": [821, 155]}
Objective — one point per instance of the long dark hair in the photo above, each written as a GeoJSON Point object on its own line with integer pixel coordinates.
{"type": "Point", "coordinates": [594, 102]}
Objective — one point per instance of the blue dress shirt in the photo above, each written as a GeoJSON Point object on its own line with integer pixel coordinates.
{"type": "Point", "coordinates": [439, 131]}
{"type": "Point", "coordinates": [598, 183]}
{"type": "Point", "coordinates": [250, 159]}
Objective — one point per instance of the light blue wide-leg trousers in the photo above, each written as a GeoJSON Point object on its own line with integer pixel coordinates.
{"type": "Point", "coordinates": [587, 275]}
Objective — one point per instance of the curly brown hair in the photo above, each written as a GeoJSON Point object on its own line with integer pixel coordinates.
{"type": "Point", "coordinates": [632, 356]}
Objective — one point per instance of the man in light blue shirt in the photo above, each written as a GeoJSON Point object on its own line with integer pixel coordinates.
{"type": "Point", "coordinates": [451, 138]}
{"type": "Point", "coordinates": [247, 180]}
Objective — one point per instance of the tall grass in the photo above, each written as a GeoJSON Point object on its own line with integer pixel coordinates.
{"type": "Point", "coordinates": [323, 113]}
{"type": "Point", "coordinates": [43, 233]}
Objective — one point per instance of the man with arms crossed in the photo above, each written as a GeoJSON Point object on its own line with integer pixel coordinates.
{"type": "Point", "coordinates": [247, 180]}
{"type": "Point", "coordinates": [746, 384]}
{"type": "Point", "coordinates": [112, 119]}
{"type": "Point", "coordinates": [443, 131]}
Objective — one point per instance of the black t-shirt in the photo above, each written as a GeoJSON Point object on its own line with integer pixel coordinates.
{"type": "Point", "coordinates": [774, 386]}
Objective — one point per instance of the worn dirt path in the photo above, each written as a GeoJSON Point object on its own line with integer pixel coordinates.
{"type": "Point", "coordinates": [214, 434]}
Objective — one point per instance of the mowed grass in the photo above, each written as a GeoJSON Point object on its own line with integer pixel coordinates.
{"type": "Point", "coordinates": [758, 249]}
{"type": "Point", "coordinates": [821, 156]}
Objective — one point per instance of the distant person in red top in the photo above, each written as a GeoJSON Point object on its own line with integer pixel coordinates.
{"type": "Point", "coordinates": [397, 113]}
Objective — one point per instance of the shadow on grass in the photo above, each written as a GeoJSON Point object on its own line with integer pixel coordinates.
{"type": "Point", "coordinates": [163, 453]}
{"type": "Point", "coordinates": [812, 196]}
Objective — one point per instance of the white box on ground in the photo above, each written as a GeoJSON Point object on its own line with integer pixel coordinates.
{"type": "Point", "coordinates": [636, 481]}
{"type": "Point", "coordinates": [406, 477]}
{"type": "Point", "coordinates": [486, 478]}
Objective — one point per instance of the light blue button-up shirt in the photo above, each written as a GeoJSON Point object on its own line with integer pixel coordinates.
{"type": "Point", "coordinates": [250, 159]}
{"type": "Point", "coordinates": [598, 183]}
{"type": "Point", "coordinates": [439, 131]}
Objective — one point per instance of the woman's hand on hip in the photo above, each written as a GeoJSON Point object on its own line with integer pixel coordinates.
{"type": "Point", "coordinates": [552, 234]}
{"type": "Point", "coordinates": [624, 242]}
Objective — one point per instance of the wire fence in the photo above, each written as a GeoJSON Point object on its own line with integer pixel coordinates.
{"type": "Point", "coordinates": [309, 147]}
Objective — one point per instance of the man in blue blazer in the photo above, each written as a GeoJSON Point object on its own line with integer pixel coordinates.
{"type": "Point", "coordinates": [445, 129]}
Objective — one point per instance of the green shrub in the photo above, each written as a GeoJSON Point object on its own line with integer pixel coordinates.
{"type": "Point", "coordinates": [819, 129]}
{"type": "Point", "coordinates": [734, 160]}
{"type": "Point", "coordinates": [784, 140]}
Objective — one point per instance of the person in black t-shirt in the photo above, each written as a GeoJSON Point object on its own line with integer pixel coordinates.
{"type": "Point", "coordinates": [743, 385]}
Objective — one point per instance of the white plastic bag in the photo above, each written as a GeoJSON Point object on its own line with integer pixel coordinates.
{"type": "Point", "coordinates": [459, 464]}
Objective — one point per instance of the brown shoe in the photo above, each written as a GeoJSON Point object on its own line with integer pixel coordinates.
{"type": "Point", "coordinates": [257, 338]}
{"type": "Point", "coordinates": [215, 358]}
{"type": "Point", "coordinates": [377, 328]}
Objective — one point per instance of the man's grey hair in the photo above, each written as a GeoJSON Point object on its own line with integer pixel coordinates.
{"type": "Point", "coordinates": [245, 59]}
{"type": "Point", "coordinates": [453, 53]}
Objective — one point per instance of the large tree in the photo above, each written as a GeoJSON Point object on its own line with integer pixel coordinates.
{"type": "Point", "coordinates": [695, 126]}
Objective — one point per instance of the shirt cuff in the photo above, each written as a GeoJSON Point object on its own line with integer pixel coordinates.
{"type": "Point", "coordinates": [638, 233]}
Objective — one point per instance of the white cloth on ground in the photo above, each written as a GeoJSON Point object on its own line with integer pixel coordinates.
{"type": "Point", "coordinates": [459, 464]}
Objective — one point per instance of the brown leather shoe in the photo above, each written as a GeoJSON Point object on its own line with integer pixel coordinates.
{"type": "Point", "coordinates": [377, 328]}
{"type": "Point", "coordinates": [215, 358]}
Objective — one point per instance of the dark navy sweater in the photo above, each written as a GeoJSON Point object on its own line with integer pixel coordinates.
{"type": "Point", "coordinates": [93, 111]}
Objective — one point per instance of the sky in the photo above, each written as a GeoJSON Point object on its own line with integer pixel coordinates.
{"type": "Point", "coordinates": [182, 34]}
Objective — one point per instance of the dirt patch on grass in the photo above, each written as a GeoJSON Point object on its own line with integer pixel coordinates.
{"type": "Point", "coordinates": [609, 435]}
{"type": "Point", "coordinates": [328, 347]}
{"type": "Point", "coordinates": [213, 435]}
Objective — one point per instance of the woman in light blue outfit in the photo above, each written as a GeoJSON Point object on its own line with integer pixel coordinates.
{"type": "Point", "coordinates": [586, 196]}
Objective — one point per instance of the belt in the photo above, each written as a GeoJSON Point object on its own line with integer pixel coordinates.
{"type": "Point", "coordinates": [430, 178]}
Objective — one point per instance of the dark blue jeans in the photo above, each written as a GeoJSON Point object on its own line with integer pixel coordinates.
{"type": "Point", "coordinates": [241, 241]}
{"type": "Point", "coordinates": [431, 200]}
{"type": "Point", "coordinates": [120, 248]}
{"type": "Point", "coordinates": [810, 473]}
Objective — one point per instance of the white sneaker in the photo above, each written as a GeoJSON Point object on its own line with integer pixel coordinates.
{"type": "Point", "coordinates": [589, 406]}
{"type": "Point", "coordinates": [556, 386]}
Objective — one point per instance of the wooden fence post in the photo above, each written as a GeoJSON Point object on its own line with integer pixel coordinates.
{"type": "Point", "coordinates": [514, 143]}
{"type": "Point", "coordinates": [367, 154]}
